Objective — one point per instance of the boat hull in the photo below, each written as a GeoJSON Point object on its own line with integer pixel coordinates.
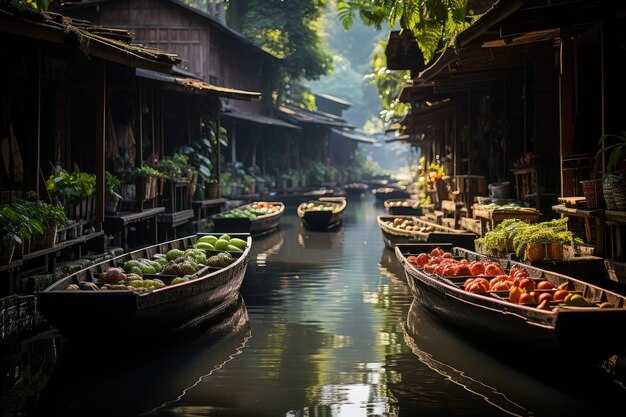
{"type": "Point", "coordinates": [113, 314]}
{"type": "Point", "coordinates": [323, 220]}
{"type": "Point", "coordinates": [257, 226]}
{"type": "Point", "coordinates": [441, 234]}
{"type": "Point", "coordinates": [592, 333]}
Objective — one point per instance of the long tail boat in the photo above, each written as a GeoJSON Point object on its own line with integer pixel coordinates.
{"type": "Point", "coordinates": [250, 218]}
{"type": "Point", "coordinates": [423, 231]}
{"type": "Point", "coordinates": [593, 331]}
{"type": "Point", "coordinates": [76, 307]}
{"type": "Point", "coordinates": [321, 220]}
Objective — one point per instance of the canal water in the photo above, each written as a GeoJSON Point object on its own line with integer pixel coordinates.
{"type": "Point", "coordinates": [326, 326]}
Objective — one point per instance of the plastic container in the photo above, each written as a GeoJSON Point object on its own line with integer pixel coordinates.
{"type": "Point", "coordinates": [500, 189]}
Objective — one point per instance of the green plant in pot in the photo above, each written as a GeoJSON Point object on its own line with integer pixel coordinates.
{"type": "Point", "coordinates": [200, 155]}
{"type": "Point", "coordinates": [150, 175]}
{"type": "Point", "coordinates": [71, 189]}
{"type": "Point", "coordinates": [112, 196]}
{"type": "Point", "coordinates": [12, 232]}
{"type": "Point", "coordinates": [614, 184]}
{"type": "Point", "coordinates": [174, 167]}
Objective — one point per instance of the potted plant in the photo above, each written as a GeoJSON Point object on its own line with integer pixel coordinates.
{"type": "Point", "coordinates": [112, 186]}
{"type": "Point", "coordinates": [72, 190]}
{"type": "Point", "coordinates": [150, 176]}
{"type": "Point", "coordinates": [614, 184]}
{"type": "Point", "coordinates": [11, 231]}
{"type": "Point", "coordinates": [201, 155]}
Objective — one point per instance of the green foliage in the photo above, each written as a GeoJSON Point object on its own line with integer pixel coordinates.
{"type": "Point", "coordinates": [288, 29]}
{"type": "Point", "coordinates": [434, 23]}
{"type": "Point", "coordinates": [173, 167]}
{"type": "Point", "coordinates": [145, 171]}
{"type": "Point", "coordinates": [616, 151]}
{"type": "Point", "coordinates": [37, 4]}
{"type": "Point", "coordinates": [112, 186]}
{"type": "Point", "coordinates": [64, 186]}
{"type": "Point", "coordinates": [388, 85]}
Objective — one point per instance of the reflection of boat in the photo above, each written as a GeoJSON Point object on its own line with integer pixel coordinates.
{"type": "Point", "coordinates": [258, 225]}
{"type": "Point", "coordinates": [591, 332]}
{"type": "Point", "coordinates": [428, 233]}
{"type": "Point", "coordinates": [109, 313]}
{"type": "Point", "coordinates": [322, 219]}
{"type": "Point", "coordinates": [316, 240]}
{"type": "Point", "coordinates": [389, 264]}
{"type": "Point", "coordinates": [132, 380]}
{"type": "Point", "coordinates": [396, 206]}
{"type": "Point", "coordinates": [386, 193]}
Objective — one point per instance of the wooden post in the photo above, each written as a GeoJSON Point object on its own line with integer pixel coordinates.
{"type": "Point", "coordinates": [219, 147]}
{"type": "Point", "coordinates": [100, 131]}
{"type": "Point", "coordinates": [566, 104]}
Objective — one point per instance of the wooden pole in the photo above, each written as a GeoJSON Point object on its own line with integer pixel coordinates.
{"type": "Point", "coordinates": [565, 104]}
{"type": "Point", "coordinates": [101, 88]}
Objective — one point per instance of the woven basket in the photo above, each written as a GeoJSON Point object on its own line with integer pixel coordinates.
{"type": "Point", "coordinates": [608, 186]}
{"type": "Point", "coordinates": [593, 193]}
{"type": "Point", "coordinates": [619, 192]}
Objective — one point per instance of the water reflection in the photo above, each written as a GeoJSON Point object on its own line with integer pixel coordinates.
{"type": "Point", "coordinates": [141, 380]}
{"type": "Point", "coordinates": [516, 383]}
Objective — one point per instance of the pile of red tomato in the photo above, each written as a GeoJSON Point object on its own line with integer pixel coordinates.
{"type": "Point", "coordinates": [488, 276]}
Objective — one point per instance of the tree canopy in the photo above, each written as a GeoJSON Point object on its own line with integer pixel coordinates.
{"type": "Point", "coordinates": [288, 29]}
{"type": "Point", "coordinates": [434, 23]}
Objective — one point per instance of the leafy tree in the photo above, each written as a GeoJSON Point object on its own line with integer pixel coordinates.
{"type": "Point", "coordinates": [288, 29]}
{"type": "Point", "coordinates": [434, 23]}
{"type": "Point", "coordinates": [388, 85]}
{"type": "Point", "coordinates": [37, 4]}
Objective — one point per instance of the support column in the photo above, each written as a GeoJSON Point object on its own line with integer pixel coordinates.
{"type": "Point", "coordinates": [101, 96]}
{"type": "Point", "coordinates": [566, 104]}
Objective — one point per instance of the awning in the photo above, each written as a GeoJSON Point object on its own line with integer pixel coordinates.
{"type": "Point", "coordinates": [354, 136]}
{"type": "Point", "coordinates": [198, 86]}
{"type": "Point", "coordinates": [300, 116]}
{"type": "Point", "coordinates": [258, 119]}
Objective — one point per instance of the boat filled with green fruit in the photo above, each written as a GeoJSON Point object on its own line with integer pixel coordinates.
{"type": "Point", "coordinates": [255, 218]}
{"type": "Point", "coordinates": [155, 290]}
{"type": "Point", "coordinates": [323, 214]}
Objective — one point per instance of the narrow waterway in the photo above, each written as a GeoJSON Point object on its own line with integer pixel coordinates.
{"type": "Point", "coordinates": [325, 327]}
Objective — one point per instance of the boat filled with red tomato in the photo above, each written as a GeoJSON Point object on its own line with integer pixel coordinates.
{"type": "Point", "coordinates": [513, 302]}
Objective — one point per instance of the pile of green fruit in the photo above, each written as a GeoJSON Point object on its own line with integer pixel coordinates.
{"type": "Point", "coordinates": [221, 260]}
{"type": "Point", "coordinates": [143, 266]}
{"type": "Point", "coordinates": [224, 242]}
{"type": "Point", "coordinates": [317, 207]}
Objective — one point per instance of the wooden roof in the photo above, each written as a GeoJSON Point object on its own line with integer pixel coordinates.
{"type": "Point", "coordinates": [258, 119]}
{"type": "Point", "coordinates": [214, 22]}
{"type": "Point", "coordinates": [424, 119]}
{"type": "Point", "coordinates": [301, 116]}
{"type": "Point", "coordinates": [194, 85]}
{"type": "Point", "coordinates": [97, 41]}
{"type": "Point", "coordinates": [402, 52]}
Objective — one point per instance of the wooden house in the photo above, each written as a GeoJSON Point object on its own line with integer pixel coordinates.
{"type": "Point", "coordinates": [77, 94]}
{"type": "Point", "coordinates": [212, 52]}
{"type": "Point", "coordinates": [538, 82]}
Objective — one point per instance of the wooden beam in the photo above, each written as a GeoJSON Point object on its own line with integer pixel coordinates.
{"type": "Point", "coordinates": [552, 17]}
{"type": "Point", "coordinates": [100, 134]}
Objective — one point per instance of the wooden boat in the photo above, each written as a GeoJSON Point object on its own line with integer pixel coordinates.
{"type": "Point", "coordinates": [590, 331]}
{"type": "Point", "coordinates": [255, 226]}
{"type": "Point", "coordinates": [403, 206]}
{"type": "Point", "coordinates": [429, 233]}
{"type": "Point", "coordinates": [385, 193]}
{"type": "Point", "coordinates": [95, 314]}
{"type": "Point", "coordinates": [323, 220]}
{"type": "Point", "coordinates": [355, 189]}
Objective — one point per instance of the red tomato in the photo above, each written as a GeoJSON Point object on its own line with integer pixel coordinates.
{"type": "Point", "coordinates": [526, 298]}
{"type": "Point", "coordinates": [560, 295]}
{"type": "Point", "coordinates": [527, 284]}
{"type": "Point", "coordinates": [436, 252]}
{"type": "Point", "coordinates": [477, 287]}
{"type": "Point", "coordinates": [468, 282]}
{"type": "Point", "coordinates": [447, 255]}
{"type": "Point", "coordinates": [412, 260]}
{"type": "Point", "coordinates": [502, 286]}
{"type": "Point", "coordinates": [463, 270]}
{"type": "Point", "coordinates": [493, 270]}
{"type": "Point", "coordinates": [544, 296]}
{"type": "Point", "coordinates": [450, 270]}
{"type": "Point", "coordinates": [429, 269]}
{"type": "Point", "coordinates": [422, 259]}
{"type": "Point", "coordinates": [477, 268]}
{"type": "Point", "coordinates": [545, 285]}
